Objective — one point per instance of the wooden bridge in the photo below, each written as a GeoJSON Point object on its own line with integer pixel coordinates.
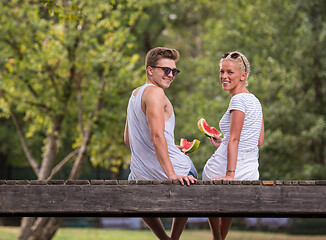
{"type": "Point", "coordinates": [111, 198]}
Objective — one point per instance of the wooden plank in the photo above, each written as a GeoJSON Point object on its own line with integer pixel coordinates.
{"type": "Point", "coordinates": [268, 182]}
{"type": "Point", "coordinates": [163, 199]}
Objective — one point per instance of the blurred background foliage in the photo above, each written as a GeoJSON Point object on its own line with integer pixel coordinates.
{"type": "Point", "coordinates": [54, 54]}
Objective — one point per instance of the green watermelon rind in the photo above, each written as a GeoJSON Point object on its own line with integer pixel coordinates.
{"type": "Point", "coordinates": [192, 148]}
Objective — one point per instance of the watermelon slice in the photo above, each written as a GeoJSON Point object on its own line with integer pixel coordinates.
{"type": "Point", "coordinates": [207, 130]}
{"type": "Point", "coordinates": [188, 147]}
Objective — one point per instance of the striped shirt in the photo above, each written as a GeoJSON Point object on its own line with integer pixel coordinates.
{"type": "Point", "coordinates": [250, 105]}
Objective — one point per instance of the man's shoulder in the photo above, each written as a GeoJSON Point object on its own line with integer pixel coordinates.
{"type": "Point", "coordinates": [135, 91]}
{"type": "Point", "coordinates": [153, 92]}
{"type": "Point", "coordinates": [154, 88]}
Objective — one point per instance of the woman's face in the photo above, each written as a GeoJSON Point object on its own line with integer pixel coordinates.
{"type": "Point", "coordinates": [231, 77]}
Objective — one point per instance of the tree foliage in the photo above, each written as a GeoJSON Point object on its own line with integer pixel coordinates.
{"type": "Point", "coordinates": [65, 69]}
{"type": "Point", "coordinates": [60, 62]}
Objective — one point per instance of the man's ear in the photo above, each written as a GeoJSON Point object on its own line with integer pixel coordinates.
{"type": "Point", "coordinates": [150, 70]}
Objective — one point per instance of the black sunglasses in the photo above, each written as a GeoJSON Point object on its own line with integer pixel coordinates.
{"type": "Point", "coordinates": [167, 70]}
{"type": "Point", "coordinates": [235, 56]}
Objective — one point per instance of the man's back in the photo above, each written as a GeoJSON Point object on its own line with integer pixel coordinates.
{"type": "Point", "coordinates": [144, 163]}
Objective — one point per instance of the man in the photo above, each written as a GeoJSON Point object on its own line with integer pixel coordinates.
{"type": "Point", "coordinates": [149, 132]}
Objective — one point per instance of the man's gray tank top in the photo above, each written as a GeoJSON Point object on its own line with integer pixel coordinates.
{"type": "Point", "coordinates": [144, 164]}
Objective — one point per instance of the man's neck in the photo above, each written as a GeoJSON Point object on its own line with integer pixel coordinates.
{"type": "Point", "coordinates": [149, 81]}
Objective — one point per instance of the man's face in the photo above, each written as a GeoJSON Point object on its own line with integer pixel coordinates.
{"type": "Point", "coordinates": [158, 75]}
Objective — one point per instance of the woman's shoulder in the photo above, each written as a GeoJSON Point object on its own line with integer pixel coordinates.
{"type": "Point", "coordinates": [240, 97]}
{"type": "Point", "coordinates": [244, 101]}
{"type": "Point", "coordinates": [244, 97]}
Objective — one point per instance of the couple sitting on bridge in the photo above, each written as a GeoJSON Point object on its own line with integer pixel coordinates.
{"type": "Point", "coordinates": [149, 132]}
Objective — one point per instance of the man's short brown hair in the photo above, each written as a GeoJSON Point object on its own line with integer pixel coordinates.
{"type": "Point", "coordinates": [155, 54]}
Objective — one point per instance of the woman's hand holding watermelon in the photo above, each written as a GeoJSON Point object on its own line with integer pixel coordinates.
{"type": "Point", "coordinates": [216, 141]}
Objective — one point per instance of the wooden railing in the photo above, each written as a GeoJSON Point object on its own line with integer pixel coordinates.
{"type": "Point", "coordinates": [111, 198]}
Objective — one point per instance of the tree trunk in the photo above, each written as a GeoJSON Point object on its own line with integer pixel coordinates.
{"type": "Point", "coordinates": [38, 228]}
{"type": "Point", "coordinates": [45, 228]}
{"type": "Point", "coordinates": [76, 170]}
{"type": "Point", "coordinates": [26, 228]}
{"type": "Point", "coordinates": [51, 150]}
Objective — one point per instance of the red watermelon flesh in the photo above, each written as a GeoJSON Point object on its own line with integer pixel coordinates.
{"type": "Point", "coordinates": [207, 130]}
{"type": "Point", "coordinates": [183, 142]}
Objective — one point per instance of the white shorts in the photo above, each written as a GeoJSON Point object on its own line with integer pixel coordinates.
{"type": "Point", "coordinates": [246, 169]}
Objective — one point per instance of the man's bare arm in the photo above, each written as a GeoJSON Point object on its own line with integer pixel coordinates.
{"type": "Point", "coordinates": [154, 99]}
{"type": "Point", "coordinates": [155, 103]}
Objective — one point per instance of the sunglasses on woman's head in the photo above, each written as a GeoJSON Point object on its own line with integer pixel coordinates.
{"type": "Point", "coordinates": [235, 56]}
{"type": "Point", "coordinates": [167, 70]}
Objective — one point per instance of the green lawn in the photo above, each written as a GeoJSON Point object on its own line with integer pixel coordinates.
{"type": "Point", "coordinates": [11, 233]}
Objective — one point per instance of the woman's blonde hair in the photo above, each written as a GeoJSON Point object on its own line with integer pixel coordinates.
{"type": "Point", "coordinates": [241, 59]}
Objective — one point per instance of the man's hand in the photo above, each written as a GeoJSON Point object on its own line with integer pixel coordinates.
{"type": "Point", "coordinates": [188, 179]}
{"type": "Point", "coordinates": [178, 146]}
{"type": "Point", "coordinates": [181, 149]}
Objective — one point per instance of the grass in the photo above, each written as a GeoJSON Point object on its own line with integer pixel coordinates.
{"type": "Point", "coordinates": [11, 233]}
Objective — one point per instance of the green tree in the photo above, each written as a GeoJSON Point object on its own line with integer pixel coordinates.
{"type": "Point", "coordinates": [66, 71]}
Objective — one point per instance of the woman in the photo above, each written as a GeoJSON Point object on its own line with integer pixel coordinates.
{"type": "Point", "coordinates": [242, 125]}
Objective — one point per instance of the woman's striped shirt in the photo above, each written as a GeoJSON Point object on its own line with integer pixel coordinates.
{"type": "Point", "coordinates": [250, 105]}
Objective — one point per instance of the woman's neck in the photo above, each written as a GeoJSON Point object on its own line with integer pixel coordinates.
{"type": "Point", "coordinates": [241, 89]}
